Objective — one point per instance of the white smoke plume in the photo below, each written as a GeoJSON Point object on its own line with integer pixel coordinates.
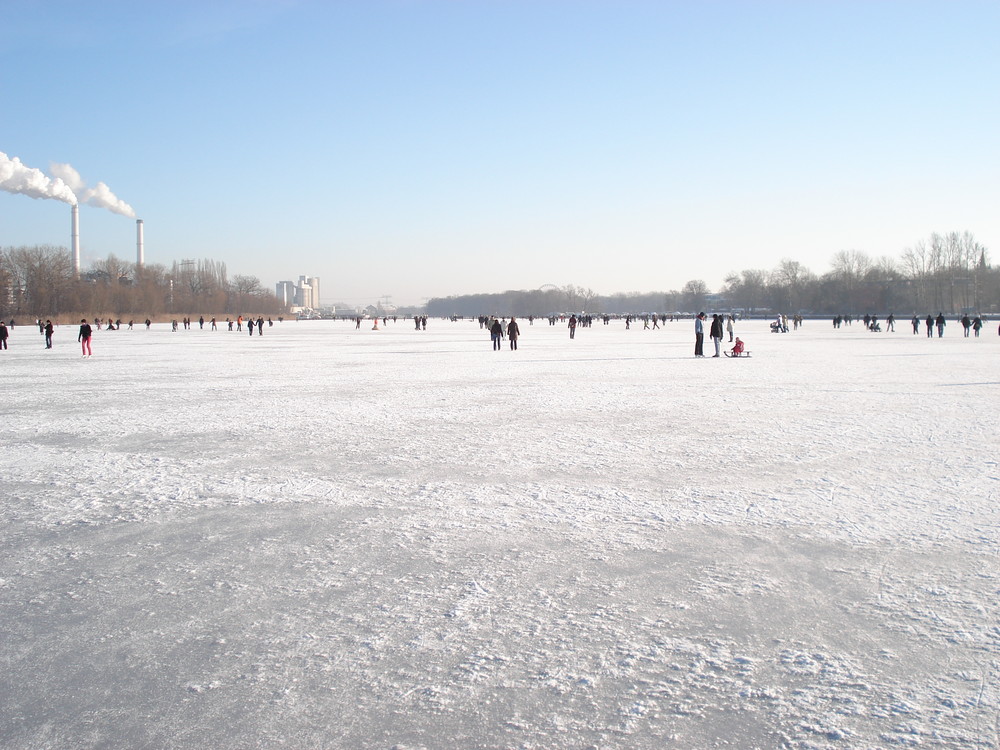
{"type": "Point", "coordinates": [15, 177]}
{"type": "Point", "coordinates": [99, 195]}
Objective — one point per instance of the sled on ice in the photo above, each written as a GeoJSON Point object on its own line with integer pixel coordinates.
{"type": "Point", "coordinates": [738, 350]}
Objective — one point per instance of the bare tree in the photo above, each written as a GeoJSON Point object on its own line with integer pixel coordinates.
{"type": "Point", "coordinates": [694, 294]}
{"type": "Point", "coordinates": [242, 290]}
{"type": "Point", "coordinates": [746, 289]}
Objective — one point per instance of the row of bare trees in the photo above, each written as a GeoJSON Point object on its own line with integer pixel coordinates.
{"type": "Point", "coordinates": [947, 273]}
{"type": "Point", "coordinates": [39, 282]}
{"type": "Point", "coordinates": [553, 300]}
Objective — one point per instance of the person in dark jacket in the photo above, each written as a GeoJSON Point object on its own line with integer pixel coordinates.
{"type": "Point", "coordinates": [49, 330]}
{"type": "Point", "coordinates": [496, 333]}
{"type": "Point", "coordinates": [940, 324]}
{"type": "Point", "coordinates": [716, 333]}
{"type": "Point", "coordinates": [4, 334]}
{"type": "Point", "coordinates": [512, 333]}
{"type": "Point", "coordinates": [84, 338]}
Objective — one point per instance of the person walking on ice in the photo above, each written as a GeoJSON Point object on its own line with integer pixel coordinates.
{"type": "Point", "coordinates": [496, 333]}
{"type": "Point", "coordinates": [512, 333]}
{"type": "Point", "coordinates": [84, 338]}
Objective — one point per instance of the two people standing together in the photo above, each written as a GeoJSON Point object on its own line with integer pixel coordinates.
{"type": "Point", "coordinates": [716, 332]}
{"type": "Point", "coordinates": [497, 333]}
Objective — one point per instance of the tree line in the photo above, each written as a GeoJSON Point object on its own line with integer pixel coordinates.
{"type": "Point", "coordinates": [947, 273]}
{"type": "Point", "coordinates": [39, 282]}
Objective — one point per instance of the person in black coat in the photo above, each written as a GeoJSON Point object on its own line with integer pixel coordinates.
{"type": "Point", "coordinates": [512, 333]}
{"type": "Point", "coordinates": [716, 333]}
{"type": "Point", "coordinates": [496, 333]}
{"type": "Point", "coordinates": [84, 338]}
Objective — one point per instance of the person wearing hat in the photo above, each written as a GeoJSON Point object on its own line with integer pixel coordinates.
{"type": "Point", "coordinates": [699, 335]}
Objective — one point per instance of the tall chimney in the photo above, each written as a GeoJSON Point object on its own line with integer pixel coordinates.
{"type": "Point", "coordinates": [76, 240]}
{"type": "Point", "coordinates": [140, 260]}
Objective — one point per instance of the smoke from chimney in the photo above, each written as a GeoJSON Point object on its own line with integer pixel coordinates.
{"type": "Point", "coordinates": [68, 186]}
{"type": "Point", "coordinates": [15, 177]}
{"type": "Point", "coordinates": [99, 196]}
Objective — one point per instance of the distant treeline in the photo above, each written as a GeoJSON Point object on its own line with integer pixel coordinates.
{"type": "Point", "coordinates": [948, 273]}
{"type": "Point", "coordinates": [38, 282]}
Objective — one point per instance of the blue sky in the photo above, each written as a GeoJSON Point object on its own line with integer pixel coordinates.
{"type": "Point", "coordinates": [420, 149]}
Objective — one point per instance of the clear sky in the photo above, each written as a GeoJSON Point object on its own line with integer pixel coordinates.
{"type": "Point", "coordinates": [424, 148]}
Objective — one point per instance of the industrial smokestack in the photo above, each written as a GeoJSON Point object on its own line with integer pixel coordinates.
{"type": "Point", "coordinates": [76, 240]}
{"type": "Point", "coordinates": [140, 260]}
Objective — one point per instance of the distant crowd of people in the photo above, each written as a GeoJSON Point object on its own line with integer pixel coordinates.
{"type": "Point", "coordinates": [86, 331]}
{"type": "Point", "coordinates": [501, 329]}
{"type": "Point", "coordinates": [931, 323]}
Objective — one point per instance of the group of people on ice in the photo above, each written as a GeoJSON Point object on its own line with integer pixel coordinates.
{"type": "Point", "coordinates": [931, 324]}
{"type": "Point", "coordinates": [498, 330]}
{"type": "Point", "coordinates": [716, 332]}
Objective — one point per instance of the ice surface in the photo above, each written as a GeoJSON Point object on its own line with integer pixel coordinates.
{"type": "Point", "coordinates": [328, 537]}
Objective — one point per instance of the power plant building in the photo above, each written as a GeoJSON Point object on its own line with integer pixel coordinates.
{"type": "Point", "coordinates": [304, 294]}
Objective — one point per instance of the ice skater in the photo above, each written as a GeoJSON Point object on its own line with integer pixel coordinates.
{"type": "Point", "coordinates": [84, 338]}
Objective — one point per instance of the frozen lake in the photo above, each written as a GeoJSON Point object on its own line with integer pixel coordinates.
{"type": "Point", "coordinates": [337, 538]}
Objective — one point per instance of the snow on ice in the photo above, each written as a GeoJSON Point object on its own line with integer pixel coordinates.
{"type": "Point", "coordinates": [328, 537]}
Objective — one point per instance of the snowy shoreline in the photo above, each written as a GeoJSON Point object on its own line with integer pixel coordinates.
{"type": "Point", "coordinates": [329, 537]}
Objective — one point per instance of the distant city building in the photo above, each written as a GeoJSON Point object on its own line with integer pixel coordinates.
{"type": "Point", "coordinates": [285, 292]}
{"type": "Point", "coordinates": [303, 295]}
